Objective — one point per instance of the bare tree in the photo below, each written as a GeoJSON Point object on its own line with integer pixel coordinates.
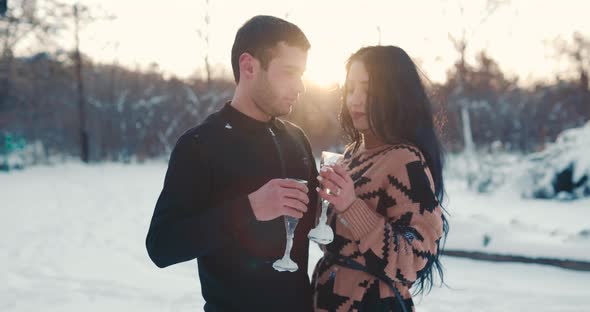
{"type": "Point", "coordinates": [578, 52]}
{"type": "Point", "coordinates": [81, 16]}
{"type": "Point", "coordinates": [30, 19]}
{"type": "Point", "coordinates": [203, 34]}
{"type": "Point", "coordinates": [84, 154]}
{"type": "Point", "coordinates": [25, 19]}
{"type": "Point", "coordinates": [461, 43]}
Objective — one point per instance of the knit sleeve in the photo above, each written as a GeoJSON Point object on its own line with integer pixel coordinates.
{"type": "Point", "coordinates": [400, 237]}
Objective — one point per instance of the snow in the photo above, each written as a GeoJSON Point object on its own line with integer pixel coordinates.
{"type": "Point", "coordinates": [72, 238]}
{"type": "Point", "coordinates": [486, 287]}
{"type": "Point", "coordinates": [526, 227]}
{"type": "Point", "coordinates": [570, 149]}
{"type": "Point", "coordinates": [560, 171]}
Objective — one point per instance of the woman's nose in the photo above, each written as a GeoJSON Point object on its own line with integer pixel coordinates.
{"type": "Point", "coordinates": [357, 100]}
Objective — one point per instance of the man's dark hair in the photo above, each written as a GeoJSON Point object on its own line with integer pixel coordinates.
{"type": "Point", "coordinates": [259, 35]}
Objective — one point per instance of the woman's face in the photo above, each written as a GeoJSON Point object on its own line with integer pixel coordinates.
{"type": "Point", "coordinates": [357, 86]}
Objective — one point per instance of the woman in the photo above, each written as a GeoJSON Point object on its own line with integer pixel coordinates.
{"type": "Point", "coordinates": [386, 193]}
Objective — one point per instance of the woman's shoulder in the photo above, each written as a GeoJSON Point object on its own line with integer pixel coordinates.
{"type": "Point", "coordinates": [403, 153]}
{"type": "Point", "coordinates": [407, 162]}
{"type": "Point", "coordinates": [397, 155]}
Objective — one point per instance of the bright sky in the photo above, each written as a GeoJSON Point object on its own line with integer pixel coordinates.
{"type": "Point", "coordinates": [518, 35]}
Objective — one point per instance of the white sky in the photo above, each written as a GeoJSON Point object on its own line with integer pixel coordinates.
{"type": "Point", "coordinates": [518, 35]}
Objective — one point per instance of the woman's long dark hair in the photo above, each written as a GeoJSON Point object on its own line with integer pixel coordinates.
{"type": "Point", "coordinates": [400, 111]}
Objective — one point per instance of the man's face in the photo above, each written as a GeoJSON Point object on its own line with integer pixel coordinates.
{"type": "Point", "coordinates": [277, 89]}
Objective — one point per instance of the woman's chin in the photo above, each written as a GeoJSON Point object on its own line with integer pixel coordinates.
{"type": "Point", "coordinates": [361, 127]}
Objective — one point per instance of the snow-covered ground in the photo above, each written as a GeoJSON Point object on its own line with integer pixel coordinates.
{"type": "Point", "coordinates": [512, 225]}
{"type": "Point", "coordinates": [72, 239]}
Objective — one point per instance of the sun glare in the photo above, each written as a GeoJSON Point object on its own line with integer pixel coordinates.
{"type": "Point", "coordinates": [324, 69]}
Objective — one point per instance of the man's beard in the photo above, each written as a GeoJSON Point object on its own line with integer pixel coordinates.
{"type": "Point", "coordinates": [266, 99]}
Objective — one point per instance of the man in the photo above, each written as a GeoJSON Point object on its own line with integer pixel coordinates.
{"type": "Point", "coordinates": [226, 192]}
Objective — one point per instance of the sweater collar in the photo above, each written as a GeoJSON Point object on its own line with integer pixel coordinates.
{"type": "Point", "coordinates": [235, 118]}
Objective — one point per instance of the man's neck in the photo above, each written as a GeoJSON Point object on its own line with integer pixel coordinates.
{"type": "Point", "coordinates": [245, 105]}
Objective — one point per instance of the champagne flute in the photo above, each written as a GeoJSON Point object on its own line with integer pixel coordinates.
{"type": "Point", "coordinates": [286, 263]}
{"type": "Point", "coordinates": [323, 233]}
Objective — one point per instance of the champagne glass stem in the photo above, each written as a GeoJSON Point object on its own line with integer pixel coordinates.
{"type": "Point", "coordinates": [289, 246]}
{"type": "Point", "coordinates": [290, 225]}
{"type": "Point", "coordinates": [324, 215]}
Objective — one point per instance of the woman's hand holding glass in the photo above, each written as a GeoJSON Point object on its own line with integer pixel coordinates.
{"type": "Point", "coordinates": [338, 187]}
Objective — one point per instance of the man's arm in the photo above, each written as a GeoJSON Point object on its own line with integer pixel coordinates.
{"type": "Point", "coordinates": [185, 225]}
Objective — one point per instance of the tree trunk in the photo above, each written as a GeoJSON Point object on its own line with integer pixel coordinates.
{"type": "Point", "coordinates": [84, 150]}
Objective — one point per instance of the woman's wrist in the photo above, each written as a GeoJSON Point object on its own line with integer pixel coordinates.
{"type": "Point", "coordinates": [347, 206]}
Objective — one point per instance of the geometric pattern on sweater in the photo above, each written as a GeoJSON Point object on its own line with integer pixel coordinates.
{"type": "Point", "coordinates": [385, 201]}
{"type": "Point", "coordinates": [330, 300]}
{"type": "Point", "coordinates": [401, 226]}
{"type": "Point", "coordinates": [401, 278]}
{"type": "Point", "coordinates": [430, 258]}
{"type": "Point", "coordinates": [425, 254]}
{"type": "Point", "coordinates": [361, 181]}
{"type": "Point", "coordinates": [357, 175]}
{"type": "Point", "coordinates": [411, 149]}
{"type": "Point", "coordinates": [339, 242]}
{"type": "Point", "coordinates": [372, 300]}
{"type": "Point", "coordinates": [393, 230]}
{"type": "Point", "coordinates": [374, 263]}
{"type": "Point", "coordinates": [357, 161]}
{"type": "Point", "coordinates": [419, 190]}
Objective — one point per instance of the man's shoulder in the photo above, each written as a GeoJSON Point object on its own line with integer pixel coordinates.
{"type": "Point", "coordinates": [293, 128]}
{"type": "Point", "coordinates": [290, 126]}
{"type": "Point", "coordinates": [207, 129]}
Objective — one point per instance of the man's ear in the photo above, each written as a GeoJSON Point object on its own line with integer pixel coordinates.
{"type": "Point", "coordinates": [248, 65]}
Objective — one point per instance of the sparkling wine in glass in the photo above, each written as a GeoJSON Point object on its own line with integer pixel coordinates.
{"type": "Point", "coordinates": [286, 263]}
{"type": "Point", "coordinates": [322, 233]}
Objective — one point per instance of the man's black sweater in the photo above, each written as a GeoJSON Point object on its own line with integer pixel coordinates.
{"type": "Point", "coordinates": [203, 212]}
